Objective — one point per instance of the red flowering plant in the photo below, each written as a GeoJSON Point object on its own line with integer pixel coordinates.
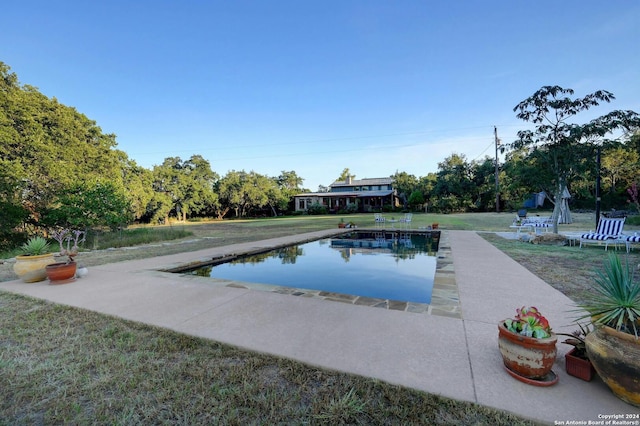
{"type": "Point", "coordinates": [529, 322]}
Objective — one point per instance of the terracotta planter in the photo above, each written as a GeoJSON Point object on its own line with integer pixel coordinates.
{"type": "Point", "coordinates": [30, 269]}
{"type": "Point", "coordinates": [578, 367]}
{"type": "Point", "coordinates": [342, 225]}
{"type": "Point", "coordinates": [527, 357]}
{"type": "Point", "coordinates": [61, 273]}
{"type": "Point", "coordinates": [615, 357]}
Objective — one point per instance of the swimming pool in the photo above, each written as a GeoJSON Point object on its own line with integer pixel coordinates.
{"type": "Point", "coordinates": [380, 265]}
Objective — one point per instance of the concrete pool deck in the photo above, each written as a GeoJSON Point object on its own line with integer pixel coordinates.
{"type": "Point", "coordinates": [455, 357]}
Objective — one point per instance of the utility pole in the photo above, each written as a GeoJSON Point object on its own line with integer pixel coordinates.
{"type": "Point", "coordinates": [495, 134]}
{"type": "Point", "coordinates": [598, 154]}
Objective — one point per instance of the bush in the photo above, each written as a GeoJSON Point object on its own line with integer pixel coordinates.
{"type": "Point", "coordinates": [633, 220]}
{"type": "Point", "coordinates": [316, 209]}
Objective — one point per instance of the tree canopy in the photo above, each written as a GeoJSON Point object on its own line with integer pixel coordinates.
{"type": "Point", "coordinates": [561, 146]}
{"type": "Point", "coordinates": [57, 168]}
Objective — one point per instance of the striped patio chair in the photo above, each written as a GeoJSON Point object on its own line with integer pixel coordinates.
{"type": "Point", "coordinates": [609, 231]}
{"type": "Point", "coordinates": [631, 239]}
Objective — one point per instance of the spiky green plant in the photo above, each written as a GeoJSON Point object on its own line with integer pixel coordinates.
{"type": "Point", "coordinates": [617, 302]}
{"type": "Point", "coordinates": [35, 246]}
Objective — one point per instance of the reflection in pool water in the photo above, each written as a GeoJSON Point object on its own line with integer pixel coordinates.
{"type": "Point", "coordinates": [386, 266]}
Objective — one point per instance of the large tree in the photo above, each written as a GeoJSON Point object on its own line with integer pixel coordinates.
{"type": "Point", "coordinates": [47, 148]}
{"type": "Point", "coordinates": [561, 142]}
{"type": "Point", "coordinates": [188, 187]}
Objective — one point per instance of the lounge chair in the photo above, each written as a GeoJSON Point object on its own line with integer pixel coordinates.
{"type": "Point", "coordinates": [609, 231]}
{"type": "Point", "coordinates": [533, 224]}
{"type": "Point", "coordinates": [631, 239]}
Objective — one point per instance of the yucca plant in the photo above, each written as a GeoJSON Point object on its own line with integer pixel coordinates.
{"type": "Point", "coordinates": [617, 302]}
{"type": "Point", "coordinates": [35, 246]}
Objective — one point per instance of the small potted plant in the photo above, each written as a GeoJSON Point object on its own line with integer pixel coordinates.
{"type": "Point", "coordinates": [36, 255]}
{"type": "Point", "coordinates": [576, 360]}
{"type": "Point", "coordinates": [613, 347]}
{"type": "Point", "coordinates": [528, 347]}
{"type": "Point", "coordinates": [342, 224]}
{"type": "Point", "coordinates": [65, 272]}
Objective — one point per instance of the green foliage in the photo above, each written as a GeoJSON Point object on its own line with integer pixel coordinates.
{"type": "Point", "coordinates": [47, 148]}
{"type": "Point", "coordinates": [633, 220]}
{"type": "Point", "coordinates": [559, 146]}
{"type": "Point", "coordinates": [349, 209]}
{"type": "Point", "coordinates": [52, 155]}
{"type": "Point", "coordinates": [617, 302]}
{"type": "Point", "coordinates": [36, 246]}
{"type": "Point", "coordinates": [317, 208]}
{"type": "Point", "coordinates": [416, 199]}
{"type": "Point", "coordinates": [346, 173]}
{"type": "Point", "coordinates": [85, 206]}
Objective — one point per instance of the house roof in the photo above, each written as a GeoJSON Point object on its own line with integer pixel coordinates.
{"type": "Point", "coordinates": [360, 182]}
{"type": "Point", "coordinates": [352, 194]}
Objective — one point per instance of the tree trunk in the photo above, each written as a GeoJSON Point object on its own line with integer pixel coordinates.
{"type": "Point", "coordinates": [556, 208]}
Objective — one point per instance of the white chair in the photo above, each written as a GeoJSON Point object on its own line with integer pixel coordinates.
{"type": "Point", "coordinates": [407, 220]}
{"type": "Point", "coordinates": [609, 231]}
{"type": "Point", "coordinates": [631, 239]}
{"type": "Point", "coordinates": [379, 219]}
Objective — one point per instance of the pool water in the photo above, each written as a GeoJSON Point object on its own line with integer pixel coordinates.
{"type": "Point", "coordinates": [400, 267]}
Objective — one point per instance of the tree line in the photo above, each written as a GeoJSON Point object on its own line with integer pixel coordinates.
{"type": "Point", "coordinates": [58, 169]}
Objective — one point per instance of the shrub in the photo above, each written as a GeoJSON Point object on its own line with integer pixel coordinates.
{"type": "Point", "coordinates": [316, 208]}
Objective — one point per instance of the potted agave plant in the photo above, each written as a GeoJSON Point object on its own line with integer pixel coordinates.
{"type": "Point", "coordinates": [577, 361]}
{"type": "Point", "coordinates": [528, 347]}
{"type": "Point", "coordinates": [36, 255]}
{"type": "Point", "coordinates": [614, 345]}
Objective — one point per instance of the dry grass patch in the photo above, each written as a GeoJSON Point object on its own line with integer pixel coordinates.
{"type": "Point", "coordinates": [62, 365]}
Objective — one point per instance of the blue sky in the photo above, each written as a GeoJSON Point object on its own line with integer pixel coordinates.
{"type": "Point", "coordinates": [318, 86]}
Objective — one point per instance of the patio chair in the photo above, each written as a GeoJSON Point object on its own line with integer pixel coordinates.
{"type": "Point", "coordinates": [407, 220]}
{"type": "Point", "coordinates": [379, 220]}
{"type": "Point", "coordinates": [609, 231]}
{"type": "Point", "coordinates": [533, 223]}
{"type": "Point", "coordinates": [631, 239]}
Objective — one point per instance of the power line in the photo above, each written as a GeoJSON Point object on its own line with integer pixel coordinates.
{"type": "Point", "coordinates": [311, 141]}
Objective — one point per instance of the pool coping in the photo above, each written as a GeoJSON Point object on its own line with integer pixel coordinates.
{"type": "Point", "coordinates": [445, 300]}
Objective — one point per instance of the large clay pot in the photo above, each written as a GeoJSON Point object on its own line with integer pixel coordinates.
{"type": "Point", "coordinates": [527, 356]}
{"type": "Point", "coordinates": [615, 356]}
{"type": "Point", "coordinates": [30, 269]}
{"type": "Point", "coordinates": [61, 272]}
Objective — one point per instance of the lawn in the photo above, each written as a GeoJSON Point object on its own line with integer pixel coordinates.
{"type": "Point", "coordinates": [65, 365]}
